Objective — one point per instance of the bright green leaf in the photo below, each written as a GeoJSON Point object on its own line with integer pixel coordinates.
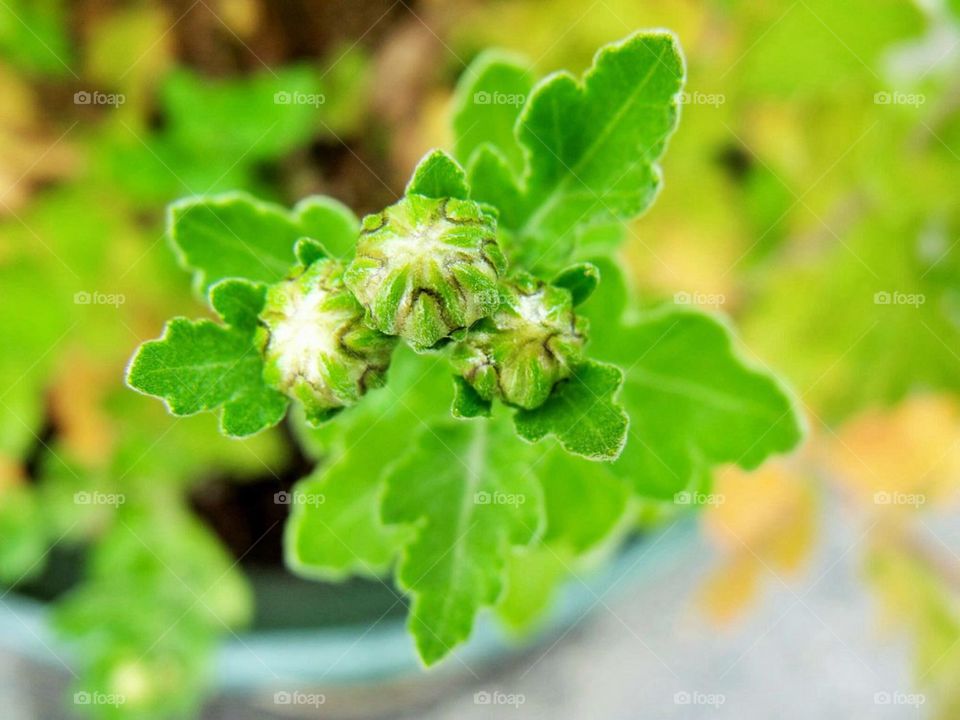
{"type": "Point", "coordinates": [467, 402]}
{"type": "Point", "coordinates": [694, 402]}
{"type": "Point", "coordinates": [330, 223]}
{"type": "Point", "coordinates": [234, 235]}
{"type": "Point", "coordinates": [489, 97]}
{"type": "Point", "coordinates": [335, 529]}
{"type": "Point", "coordinates": [200, 365]}
{"type": "Point", "coordinates": [439, 176]}
{"type": "Point", "coordinates": [468, 490]}
{"type": "Point", "coordinates": [582, 412]}
{"type": "Point", "coordinates": [593, 146]}
{"type": "Point", "coordinates": [238, 302]}
{"type": "Point", "coordinates": [581, 280]}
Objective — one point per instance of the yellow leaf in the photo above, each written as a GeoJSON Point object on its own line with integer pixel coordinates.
{"type": "Point", "coordinates": [730, 589]}
{"type": "Point", "coordinates": [903, 458]}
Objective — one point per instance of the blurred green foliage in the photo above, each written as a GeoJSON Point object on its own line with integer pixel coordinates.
{"type": "Point", "coordinates": [86, 274]}
{"type": "Point", "coordinates": [807, 182]}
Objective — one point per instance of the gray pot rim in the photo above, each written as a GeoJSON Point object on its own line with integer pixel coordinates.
{"type": "Point", "coordinates": [356, 654]}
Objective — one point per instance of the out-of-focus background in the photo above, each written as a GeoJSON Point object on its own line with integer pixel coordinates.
{"type": "Point", "coordinates": [812, 193]}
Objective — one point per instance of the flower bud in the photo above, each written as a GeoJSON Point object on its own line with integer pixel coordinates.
{"type": "Point", "coordinates": [426, 268]}
{"type": "Point", "coordinates": [522, 351]}
{"type": "Point", "coordinates": [315, 344]}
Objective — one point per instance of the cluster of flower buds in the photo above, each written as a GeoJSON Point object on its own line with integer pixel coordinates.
{"type": "Point", "coordinates": [427, 268]}
{"type": "Point", "coordinates": [430, 272]}
{"type": "Point", "coordinates": [522, 351]}
{"type": "Point", "coordinates": [316, 347]}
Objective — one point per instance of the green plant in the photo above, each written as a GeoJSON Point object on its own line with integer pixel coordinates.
{"type": "Point", "coordinates": [575, 414]}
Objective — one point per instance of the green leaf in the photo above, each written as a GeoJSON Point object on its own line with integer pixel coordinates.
{"type": "Point", "coordinates": [34, 36]}
{"type": "Point", "coordinates": [255, 116]}
{"type": "Point", "coordinates": [438, 176]}
{"type": "Point", "coordinates": [331, 223]}
{"type": "Point", "coordinates": [238, 302]}
{"type": "Point", "coordinates": [336, 530]}
{"type": "Point", "coordinates": [169, 591]}
{"type": "Point", "coordinates": [583, 414]}
{"type": "Point", "coordinates": [467, 489]}
{"type": "Point", "coordinates": [694, 402]}
{"type": "Point", "coordinates": [23, 528]}
{"type": "Point", "coordinates": [585, 506]}
{"type": "Point", "coordinates": [467, 402]}
{"type": "Point", "coordinates": [489, 97]}
{"type": "Point", "coordinates": [493, 182]}
{"type": "Point", "coordinates": [532, 577]}
{"type": "Point", "coordinates": [234, 235]}
{"type": "Point", "coordinates": [583, 500]}
{"type": "Point", "coordinates": [308, 251]}
{"type": "Point", "coordinates": [593, 146]}
{"type": "Point", "coordinates": [202, 366]}
{"type": "Point", "coordinates": [581, 280]}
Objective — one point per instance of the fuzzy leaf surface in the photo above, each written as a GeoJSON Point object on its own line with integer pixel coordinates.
{"type": "Point", "coordinates": [582, 413]}
{"type": "Point", "coordinates": [467, 489]}
{"type": "Point", "coordinates": [234, 235]}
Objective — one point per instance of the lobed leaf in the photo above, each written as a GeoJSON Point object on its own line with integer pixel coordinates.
{"type": "Point", "coordinates": [591, 147]}
{"type": "Point", "coordinates": [335, 528]}
{"type": "Point", "coordinates": [438, 176]}
{"type": "Point", "coordinates": [467, 402]}
{"type": "Point", "coordinates": [583, 414]}
{"type": "Point", "coordinates": [199, 366]}
{"type": "Point", "coordinates": [468, 490]}
{"type": "Point", "coordinates": [488, 101]}
{"type": "Point", "coordinates": [694, 403]}
{"type": "Point", "coordinates": [234, 235]}
{"type": "Point", "coordinates": [581, 280]}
